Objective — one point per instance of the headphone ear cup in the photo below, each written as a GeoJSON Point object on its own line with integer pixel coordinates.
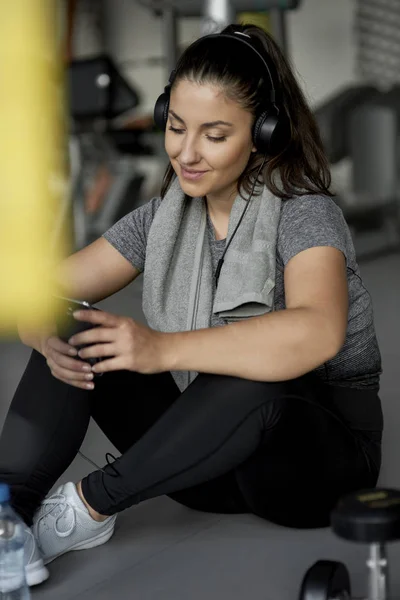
{"type": "Point", "coordinates": [271, 133]}
{"type": "Point", "coordinates": [161, 111]}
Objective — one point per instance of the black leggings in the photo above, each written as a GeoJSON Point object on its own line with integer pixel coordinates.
{"type": "Point", "coordinates": [226, 444]}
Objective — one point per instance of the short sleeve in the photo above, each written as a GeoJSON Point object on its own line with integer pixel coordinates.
{"type": "Point", "coordinates": [308, 222]}
{"type": "Point", "coordinates": [129, 234]}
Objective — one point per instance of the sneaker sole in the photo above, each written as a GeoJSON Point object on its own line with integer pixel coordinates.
{"type": "Point", "coordinates": [36, 573]}
{"type": "Point", "coordinates": [98, 540]}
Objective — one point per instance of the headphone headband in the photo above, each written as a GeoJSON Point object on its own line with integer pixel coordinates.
{"type": "Point", "coordinates": [269, 66]}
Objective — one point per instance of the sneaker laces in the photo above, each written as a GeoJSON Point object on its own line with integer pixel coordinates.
{"type": "Point", "coordinates": [109, 464]}
{"type": "Point", "coordinates": [59, 501]}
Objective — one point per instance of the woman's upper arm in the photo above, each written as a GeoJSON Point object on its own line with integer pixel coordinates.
{"type": "Point", "coordinates": [95, 272]}
{"type": "Point", "coordinates": [315, 246]}
{"type": "Point", "coordinates": [316, 278]}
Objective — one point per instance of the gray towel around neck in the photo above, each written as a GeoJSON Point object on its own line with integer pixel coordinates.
{"type": "Point", "coordinates": [177, 283]}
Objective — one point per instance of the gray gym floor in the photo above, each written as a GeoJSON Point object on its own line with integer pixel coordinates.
{"type": "Point", "coordinates": [163, 550]}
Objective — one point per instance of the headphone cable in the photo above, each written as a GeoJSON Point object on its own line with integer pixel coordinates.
{"type": "Point", "coordinates": [221, 260]}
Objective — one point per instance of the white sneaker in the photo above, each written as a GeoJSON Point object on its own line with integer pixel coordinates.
{"type": "Point", "coordinates": [35, 571]}
{"type": "Point", "coordinates": [63, 523]}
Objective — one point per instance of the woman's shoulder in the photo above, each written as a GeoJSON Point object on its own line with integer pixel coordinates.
{"type": "Point", "coordinates": [149, 208]}
{"type": "Point", "coordinates": [136, 223]}
{"type": "Point", "coordinates": [312, 220]}
{"type": "Point", "coordinates": [141, 217]}
{"type": "Point", "coordinates": [312, 203]}
{"type": "Point", "coordinates": [310, 211]}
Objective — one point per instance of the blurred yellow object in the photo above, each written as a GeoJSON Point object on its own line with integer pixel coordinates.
{"type": "Point", "coordinates": [261, 19]}
{"type": "Point", "coordinates": [33, 170]}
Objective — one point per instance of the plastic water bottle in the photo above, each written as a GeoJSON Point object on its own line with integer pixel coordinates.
{"type": "Point", "coordinates": [12, 537]}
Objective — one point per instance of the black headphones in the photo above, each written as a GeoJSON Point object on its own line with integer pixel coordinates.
{"type": "Point", "coordinates": [271, 131]}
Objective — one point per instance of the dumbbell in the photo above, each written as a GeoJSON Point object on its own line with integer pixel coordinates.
{"type": "Point", "coordinates": [368, 516]}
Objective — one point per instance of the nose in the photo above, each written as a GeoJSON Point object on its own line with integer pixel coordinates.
{"type": "Point", "coordinates": [189, 153]}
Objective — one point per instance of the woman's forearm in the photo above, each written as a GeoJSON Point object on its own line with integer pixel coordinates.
{"type": "Point", "coordinates": [275, 347]}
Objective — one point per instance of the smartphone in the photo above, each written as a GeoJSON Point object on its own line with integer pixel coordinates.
{"type": "Point", "coordinates": [67, 325]}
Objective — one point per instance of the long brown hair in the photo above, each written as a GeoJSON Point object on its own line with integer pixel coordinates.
{"type": "Point", "coordinates": [300, 168]}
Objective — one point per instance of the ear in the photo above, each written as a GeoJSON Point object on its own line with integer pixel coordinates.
{"type": "Point", "coordinates": [254, 149]}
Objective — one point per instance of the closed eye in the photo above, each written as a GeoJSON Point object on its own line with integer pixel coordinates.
{"type": "Point", "coordinates": [209, 137]}
{"type": "Point", "coordinates": [179, 131]}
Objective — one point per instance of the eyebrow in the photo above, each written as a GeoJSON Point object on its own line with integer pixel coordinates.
{"type": "Point", "coordinates": [204, 125]}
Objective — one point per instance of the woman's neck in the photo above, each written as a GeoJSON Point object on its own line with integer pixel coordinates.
{"type": "Point", "coordinates": [219, 207]}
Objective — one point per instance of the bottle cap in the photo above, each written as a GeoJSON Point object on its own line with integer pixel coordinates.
{"type": "Point", "coordinates": [4, 493]}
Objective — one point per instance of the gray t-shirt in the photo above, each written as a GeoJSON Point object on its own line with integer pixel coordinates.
{"type": "Point", "coordinates": [306, 222]}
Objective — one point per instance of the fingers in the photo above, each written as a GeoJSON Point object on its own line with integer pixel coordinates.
{"type": "Point", "coordinates": [111, 364]}
{"type": "Point", "coordinates": [80, 379]}
{"type": "Point", "coordinates": [97, 317]}
{"type": "Point", "coordinates": [65, 368]}
{"type": "Point", "coordinates": [97, 351]}
{"type": "Point", "coordinates": [92, 336]}
{"type": "Point", "coordinates": [55, 343]}
{"type": "Point", "coordinates": [68, 363]}
{"type": "Point", "coordinates": [83, 386]}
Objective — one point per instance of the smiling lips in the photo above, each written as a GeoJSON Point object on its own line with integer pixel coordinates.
{"type": "Point", "coordinates": [191, 174]}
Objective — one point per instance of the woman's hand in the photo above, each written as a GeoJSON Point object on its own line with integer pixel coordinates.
{"type": "Point", "coordinates": [58, 355]}
{"type": "Point", "coordinates": [121, 342]}
{"type": "Point", "coordinates": [62, 366]}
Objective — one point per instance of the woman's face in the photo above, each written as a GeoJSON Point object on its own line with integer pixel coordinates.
{"type": "Point", "coordinates": [208, 140]}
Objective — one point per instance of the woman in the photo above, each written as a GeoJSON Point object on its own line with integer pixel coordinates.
{"type": "Point", "coordinates": [255, 386]}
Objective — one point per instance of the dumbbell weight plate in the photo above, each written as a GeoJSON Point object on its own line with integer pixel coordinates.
{"type": "Point", "coordinates": [368, 516]}
{"type": "Point", "coordinates": [326, 580]}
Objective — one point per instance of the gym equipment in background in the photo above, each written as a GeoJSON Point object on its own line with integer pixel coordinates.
{"type": "Point", "coordinates": [333, 117]}
{"type": "Point", "coordinates": [98, 90]}
{"type": "Point", "coordinates": [361, 123]}
{"type": "Point", "coordinates": [106, 182]}
{"type": "Point", "coordinates": [216, 14]}
{"type": "Point", "coordinates": [326, 580]}
{"type": "Point", "coordinates": [373, 133]}
{"type": "Point", "coordinates": [378, 43]}
{"type": "Point", "coordinates": [368, 516]}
